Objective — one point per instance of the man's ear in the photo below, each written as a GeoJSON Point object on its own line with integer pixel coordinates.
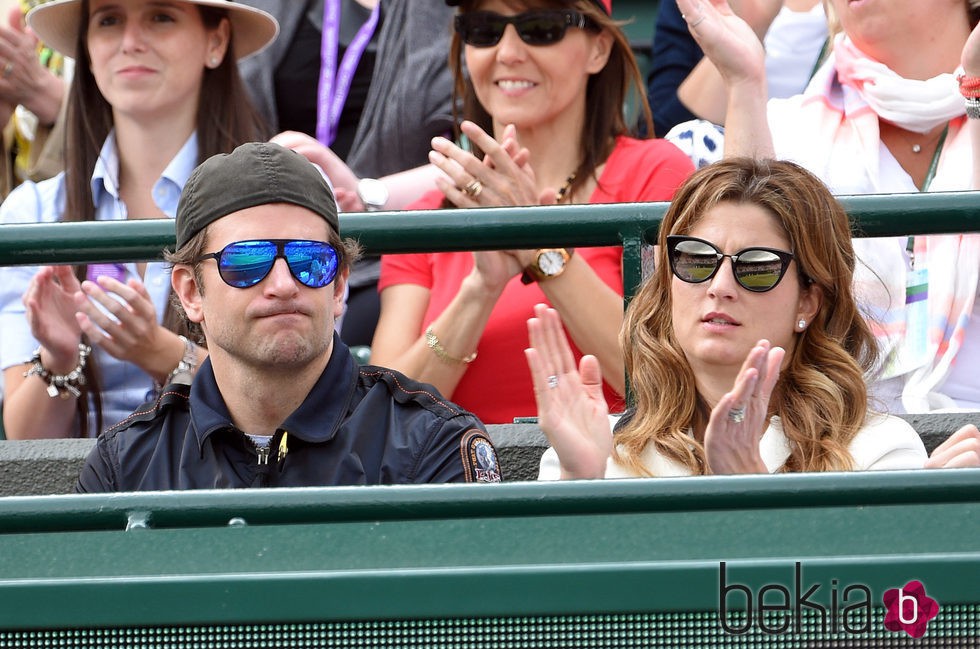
{"type": "Point", "coordinates": [340, 292]}
{"type": "Point", "coordinates": [188, 291]}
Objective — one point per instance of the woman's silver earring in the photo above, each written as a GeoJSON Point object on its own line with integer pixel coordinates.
{"type": "Point", "coordinates": [801, 324]}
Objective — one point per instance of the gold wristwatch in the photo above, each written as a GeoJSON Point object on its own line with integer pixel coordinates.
{"type": "Point", "coordinates": [548, 263]}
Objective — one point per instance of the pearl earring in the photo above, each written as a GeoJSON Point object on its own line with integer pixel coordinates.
{"type": "Point", "coordinates": [801, 324]}
{"type": "Point", "coordinates": [214, 61]}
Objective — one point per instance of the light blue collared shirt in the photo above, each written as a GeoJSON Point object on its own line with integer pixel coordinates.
{"type": "Point", "coordinates": [124, 385]}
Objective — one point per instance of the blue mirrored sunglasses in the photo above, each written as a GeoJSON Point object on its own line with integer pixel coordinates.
{"type": "Point", "coordinates": [246, 263]}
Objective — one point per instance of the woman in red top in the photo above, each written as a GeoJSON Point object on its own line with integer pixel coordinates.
{"type": "Point", "coordinates": [544, 99]}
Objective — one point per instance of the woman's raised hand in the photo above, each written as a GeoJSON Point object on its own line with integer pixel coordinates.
{"type": "Point", "coordinates": [131, 333]}
{"type": "Point", "coordinates": [572, 410]}
{"type": "Point", "coordinates": [739, 419]}
{"type": "Point", "coordinates": [503, 178]}
{"type": "Point", "coordinates": [49, 304]}
{"type": "Point", "coordinates": [727, 40]}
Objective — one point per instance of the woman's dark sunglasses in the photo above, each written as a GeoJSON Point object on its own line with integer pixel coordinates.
{"type": "Point", "coordinates": [546, 27]}
{"type": "Point", "coordinates": [756, 269]}
{"type": "Point", "coordinates": [246, 263]}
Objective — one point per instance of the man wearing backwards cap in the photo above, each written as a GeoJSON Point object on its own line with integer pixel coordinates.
{"type": "Point", "coordinates": [260, 267]}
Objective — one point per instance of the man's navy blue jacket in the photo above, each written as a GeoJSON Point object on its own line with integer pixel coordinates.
{"type": "Point", "coordinates": [359, 425]}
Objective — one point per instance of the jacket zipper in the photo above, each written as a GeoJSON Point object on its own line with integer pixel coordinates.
{"type": "Point", "coordinates": [263, 454]}
{"type": "Point", "coordinates": [261, 478]}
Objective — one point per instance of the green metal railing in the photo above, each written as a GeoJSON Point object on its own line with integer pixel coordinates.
{"type": "Point", "coordinates": [628, 224]}
{"type": "Point", "coordinates": [462, 551]}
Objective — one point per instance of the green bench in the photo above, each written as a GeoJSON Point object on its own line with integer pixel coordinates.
{"type": "Point", "coordinates": [633, 563]}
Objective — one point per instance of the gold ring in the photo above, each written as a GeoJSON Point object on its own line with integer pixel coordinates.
{"type": "Point", "coordinates": [7, 69]}
{"type": "Point", "coordinates": [473, 189]}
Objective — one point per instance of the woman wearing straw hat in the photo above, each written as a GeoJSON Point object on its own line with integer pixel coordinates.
{"type": "Point", "coordinates": [156, 91]}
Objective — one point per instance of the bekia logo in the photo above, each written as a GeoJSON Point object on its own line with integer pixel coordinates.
{"type": "Point", "coordinates": [909, 609]}
{"type": "Point", "coordinates": [776, 609]}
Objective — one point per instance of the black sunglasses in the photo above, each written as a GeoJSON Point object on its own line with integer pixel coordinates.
{"type": "Point", "coordinates": [546, 27]}
{"type": "Point", "coordinates": [756, 269]}
{"type": "Point", "coordinates": [246, 263]}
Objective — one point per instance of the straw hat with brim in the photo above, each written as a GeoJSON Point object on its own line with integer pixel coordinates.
{"type": "Point", "coordinates": [56, 24]}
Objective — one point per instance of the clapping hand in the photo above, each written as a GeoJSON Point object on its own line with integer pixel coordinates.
{"type": "Point", "coordinates": [49, 304]}
{"type": "Point", "coordinates": [739, 419]}
{"type": "Point", "coordinates": [503, 178]}
{"type": "Point", "coordinates": [126, 326]}
{"type": "Point", "coordinates": [572, 410]}
{"type": "Point", "coordinates": [961, 450]}
{"type": "Point", "coordinates": [726, 39]}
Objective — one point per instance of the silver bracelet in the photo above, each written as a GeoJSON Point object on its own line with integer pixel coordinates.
{"type": "Point", "coordinates": [65, 385]}
{"type": "Point", "coordinates": [973, 107]}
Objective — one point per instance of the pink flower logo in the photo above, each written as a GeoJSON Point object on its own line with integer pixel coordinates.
{"type": "Point", "coordinates": [909, 609]}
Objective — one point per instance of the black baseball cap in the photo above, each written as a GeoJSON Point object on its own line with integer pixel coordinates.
{"type": "Point", "coordinates": [256, 173]}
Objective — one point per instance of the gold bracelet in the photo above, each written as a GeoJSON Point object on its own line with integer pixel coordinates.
{"type": "Point", "coordinates": [433, 342]}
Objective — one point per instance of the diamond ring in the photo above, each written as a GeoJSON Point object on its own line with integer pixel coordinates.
{"type": "Point", "coordinates": [736, 415]}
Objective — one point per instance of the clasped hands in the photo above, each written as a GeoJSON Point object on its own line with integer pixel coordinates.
{"type": "Point", "coordinates": [573, 414]}
{"type": "Point", "coordinates": [119, 317]}
{"type": "Point", "coordinates": [503, 178]}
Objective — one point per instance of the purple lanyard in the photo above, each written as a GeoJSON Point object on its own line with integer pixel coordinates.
{"type": "Point", "coordinates": [335, 82]}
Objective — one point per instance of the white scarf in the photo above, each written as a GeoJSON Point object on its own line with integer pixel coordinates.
{"type": "Point", "coordinates": [914, 105]}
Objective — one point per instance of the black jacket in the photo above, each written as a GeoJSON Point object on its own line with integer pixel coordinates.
{"type": "Point", "coordinates": [359, 425]}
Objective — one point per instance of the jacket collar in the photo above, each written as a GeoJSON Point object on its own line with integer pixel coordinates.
{"type": "Point", "coordinates": [315, 421]}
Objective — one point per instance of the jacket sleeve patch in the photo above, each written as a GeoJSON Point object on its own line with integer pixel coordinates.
{"type": "Point", "coordinates": [479, 458]}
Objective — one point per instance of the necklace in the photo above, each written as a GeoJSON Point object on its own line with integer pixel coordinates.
{"type": "Point", "coordinates": [563, 191]}
{"type": "Point", "coordinates": [917, 146]}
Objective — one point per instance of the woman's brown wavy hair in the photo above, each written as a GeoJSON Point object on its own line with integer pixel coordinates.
{"type": "Point", "coordinates": [821, 396]}
{"type": "Point", "coordinates": [617, 85]}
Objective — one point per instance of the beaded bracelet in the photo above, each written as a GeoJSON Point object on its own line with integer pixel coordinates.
{"type": "Point", "coordinates": [65, 385]}
{"type": "Point", "coordinates": [433, 343]}
{"type": "Point", "coordinates": [969, 86]}
{"type": "Point", "coordinates": [973, 107]}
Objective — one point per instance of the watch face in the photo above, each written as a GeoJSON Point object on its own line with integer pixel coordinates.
{"type": "Point", "coordinates": [551, 262]}
{"type": "Point", "coordinates": [372, 192]}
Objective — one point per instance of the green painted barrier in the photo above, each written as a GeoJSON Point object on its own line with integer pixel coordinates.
{"type": "Point", "coordinates": [634, 559]}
